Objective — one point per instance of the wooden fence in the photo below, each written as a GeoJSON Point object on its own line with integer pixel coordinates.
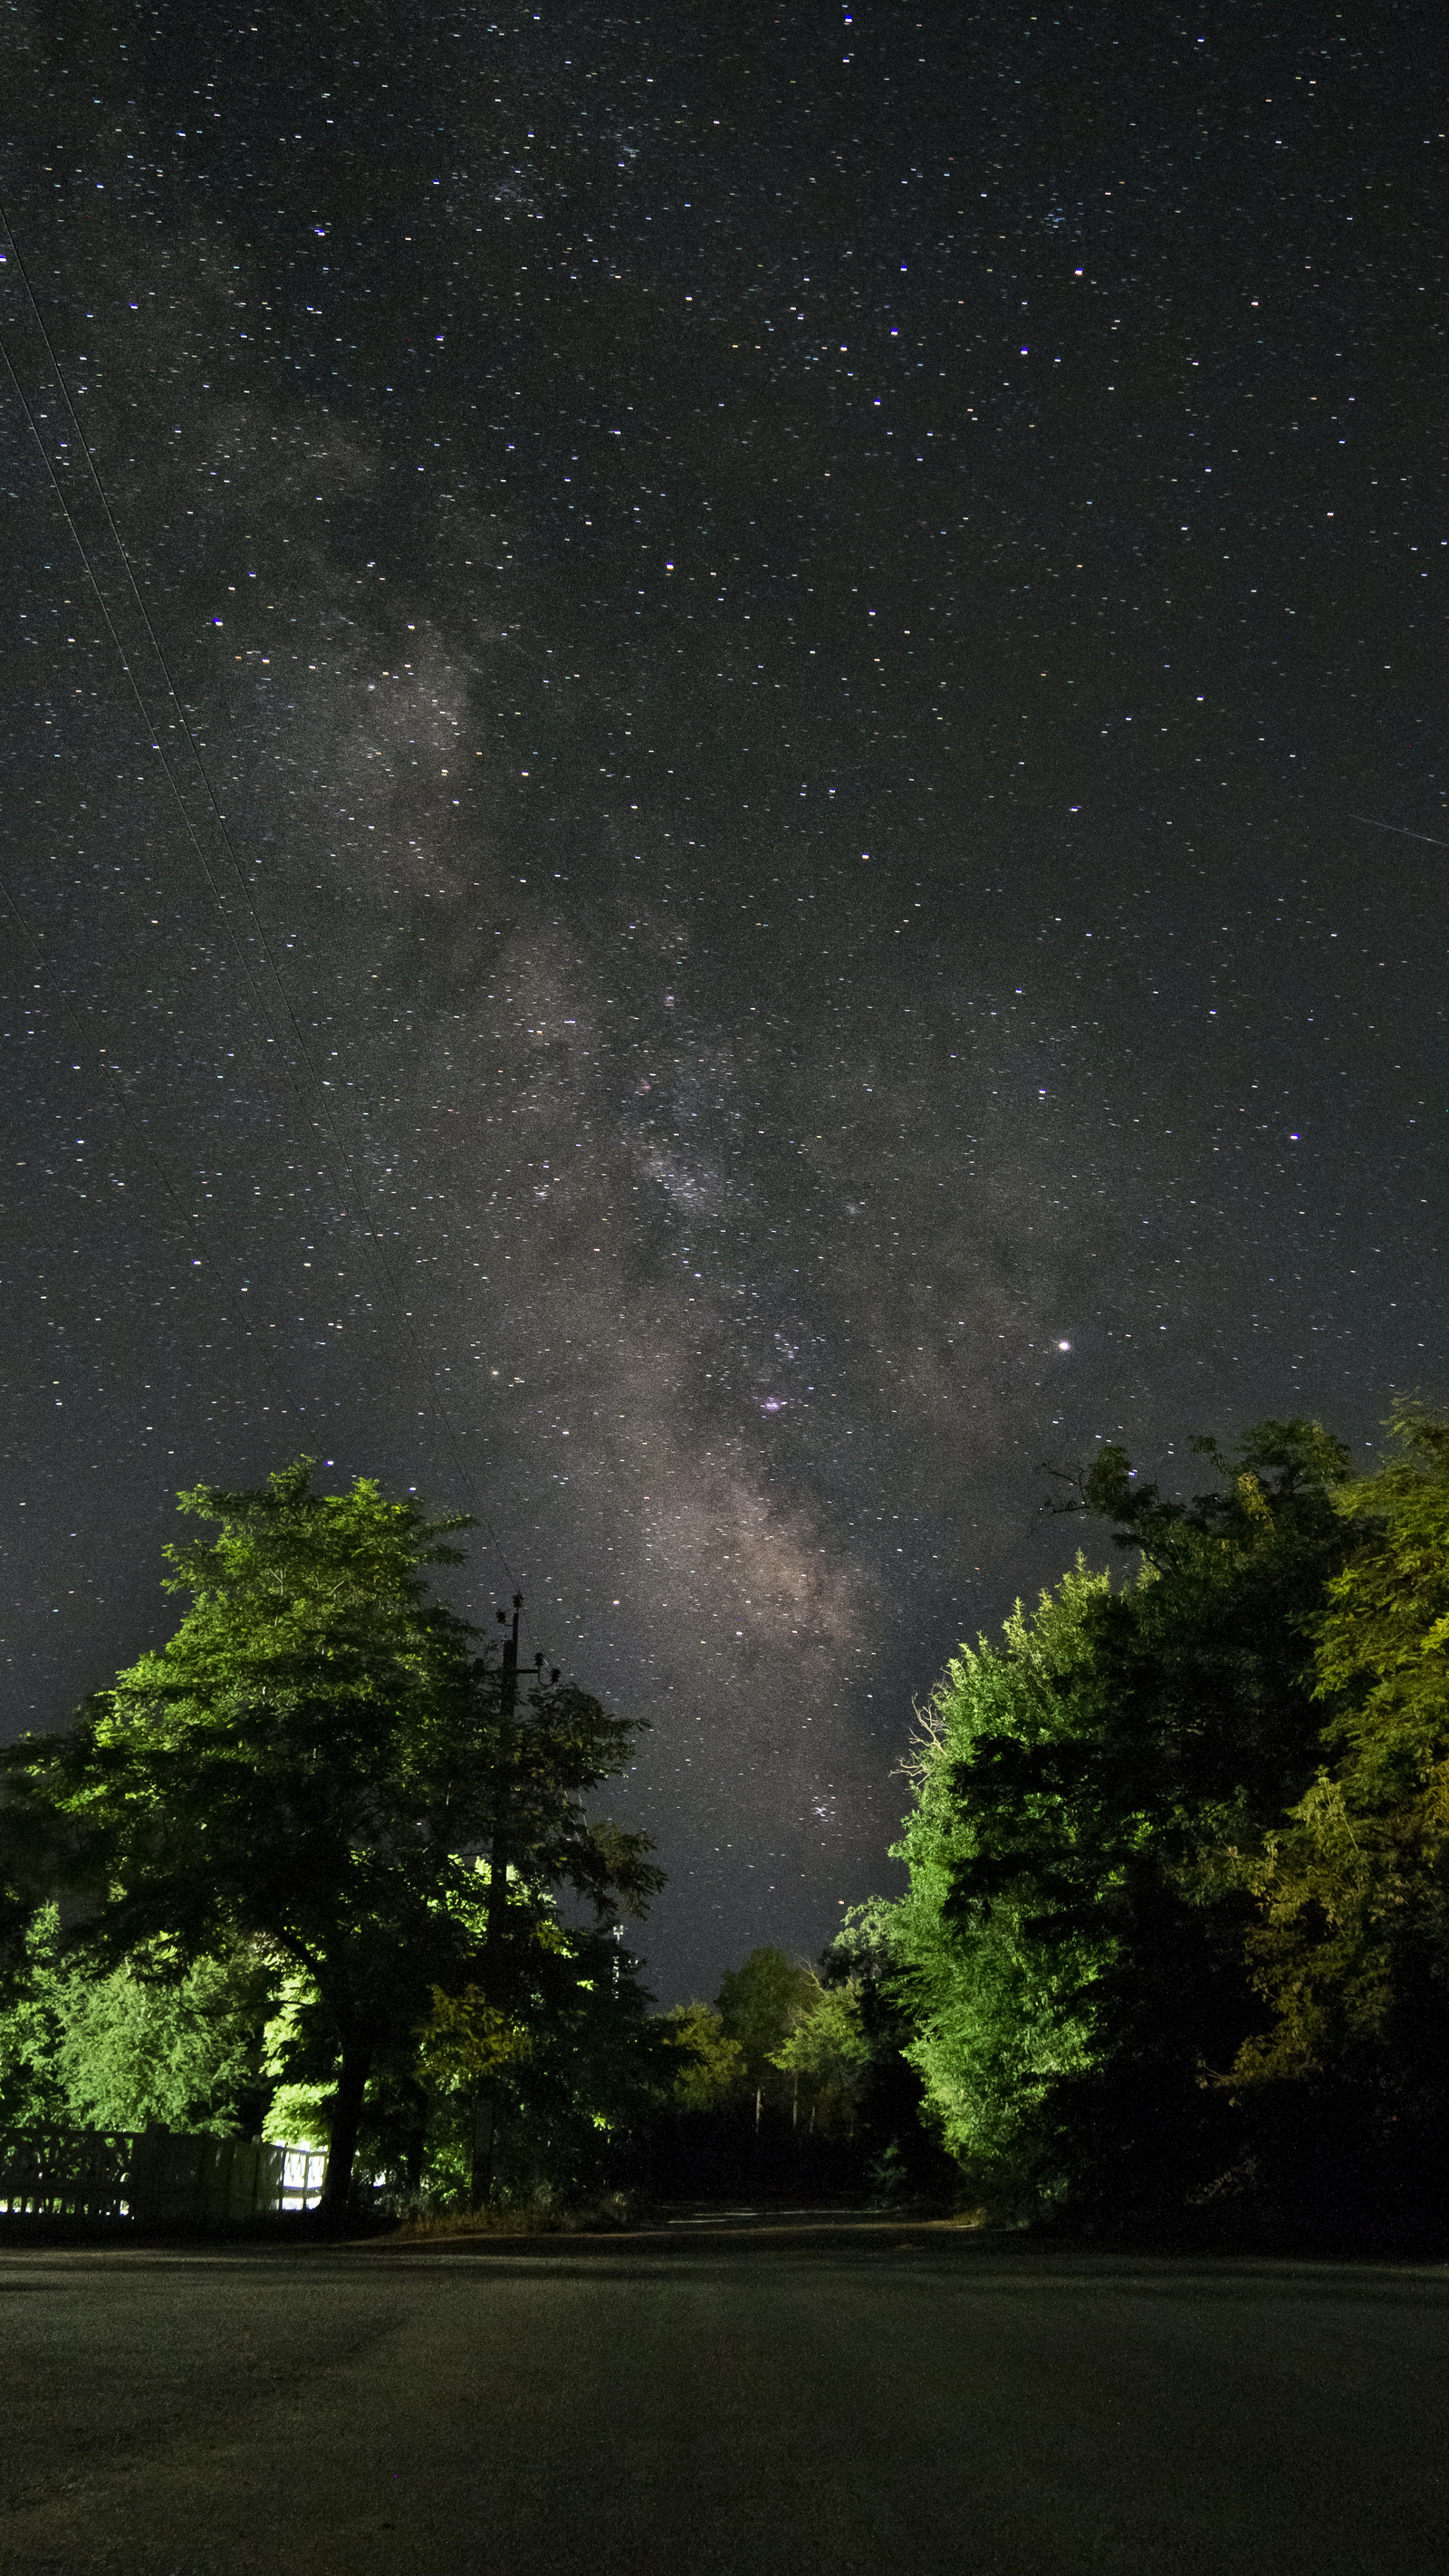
{"type": "Point", "coordinates": [151, 2175]}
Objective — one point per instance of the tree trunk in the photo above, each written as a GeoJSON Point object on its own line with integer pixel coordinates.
{"type": "Point", "coordinates": [346, 2121]}
{"type": "Point", "coordinates": [485, 2121]}
{"type": "Point", "coordinates": [417, 2137]}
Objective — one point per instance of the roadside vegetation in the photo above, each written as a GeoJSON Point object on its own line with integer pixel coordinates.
{"type": "Point", "coordinates": [1173, 1953]}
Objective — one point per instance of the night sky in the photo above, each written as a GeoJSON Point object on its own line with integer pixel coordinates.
{"type": "Point", "coordinates": [723, 814]}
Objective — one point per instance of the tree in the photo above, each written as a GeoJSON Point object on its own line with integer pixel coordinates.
{"type": "Point", "coordinates": [119, 2051]}
{"type": "Point", "coordinates": [311, 1768]}
{"type": "Point", "coordinates": [36, 1992]}
{"type": "Point", "coordinates": [897, 2135]}
{"type": "Point", "coordinates": [707, 2067]}
{"type": "Point", "coordinates": [187, 2054]}
{"type": "Point", "coordinates": [564, 2079]}
{"type": "Point", "coordinates": [827, 2055]}
{"type": "Point", "coordinates": [1351, 1950]}
{"type": "Point", "coordinates": [998, 1995]}
{"type": "Point", "coordinates": [759, 2005]}
{"type": "Point", "coordinates": [1074, 1933]}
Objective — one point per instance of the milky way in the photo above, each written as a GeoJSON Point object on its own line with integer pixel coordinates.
{"type": "Point", "coordinates": [685, 834]}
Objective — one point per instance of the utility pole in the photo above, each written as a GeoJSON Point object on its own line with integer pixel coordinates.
{"type": "Point", "coordinates": [507, 1703]}
{"type": "Point", "coordinates": [485, 2109]}
{"type": "Point", "coordinates": [507, 1753]}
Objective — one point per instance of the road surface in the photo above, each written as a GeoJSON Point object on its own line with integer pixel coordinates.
{"type": "Point", "coordinates": [821, 2402]}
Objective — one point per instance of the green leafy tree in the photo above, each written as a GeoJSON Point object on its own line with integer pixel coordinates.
{"type": "Point", "coordinates": [465, 2039]}
{"type": "Point", "coordinates": [595, 2073]}
{"type": "Point", "coordinates": [827, 2057]}
{"type": "Point", "coordinates": [999, 1989]}
{"type": "Point", "coordinates": [759, 2005]}
{"type": "Point", "coordinates": [310, 1769]}
{"type": "Point", "coordinates": [34, 1999]}
{"type": "Point", "coordinates": [119, 2051]}
{"type": "Point", "coordinates": [187, 2054]}
{"type": "Point", "coordinates": [564, 2080]}
{"type": "Point", "coordinates": [897, 2136]}
{"type": "Point", "coordinates": [707, 2067]}
{"type": "Point", "coordinates": [1351, 1950]}
{"type": "Point", "coordinates": [1074, 1934]}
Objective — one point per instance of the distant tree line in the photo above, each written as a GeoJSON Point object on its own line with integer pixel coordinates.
{"type": "Point", "coordinates": [1173, 1953]}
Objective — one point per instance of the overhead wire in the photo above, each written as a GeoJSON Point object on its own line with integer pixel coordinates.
{"type": "Point", "coordinates": [375, 1255]}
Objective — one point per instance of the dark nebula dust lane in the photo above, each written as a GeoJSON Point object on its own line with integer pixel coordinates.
{"type": "Point", "coordinates": [723, 816]}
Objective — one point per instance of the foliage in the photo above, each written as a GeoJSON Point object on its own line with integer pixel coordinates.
{"type": "Point", "coordinates": [827, 2055]}
{"type": "Point", "coordinates": [897, 2137]}
{"type": "Point", "coordinates": [119, 2051]}
{"type": "Point", "coordinates": [465, 2039]}
{"type": "Point", "coordinates": [797, 2043]}
{"type": "Point", "coordinates": [712, 2073]}
{"type": "Point", "coordinates": [307, 1770]}
{"type": "Point", "coordinates": [568, 2076]}
{"type": "Point", "coordinates": [1072, 1942]}
{"type": "Point", "coordinates": [186, 2054]}
{"type": "Point", "coordinates": [594, 2072]}
{"type": "Point", "coordinates": [36, 1994]}
{"type": "Point", "coordinates": [1000, 2007]}
{"type": "Point", "coordinates": [300, 2115]}
{"type": "Point", "coordinates": [796, 2080]}
{"type": "Point", "coordinates": [758, 2006]}
{"type": "Point", "coordinates": [1352, 1949]}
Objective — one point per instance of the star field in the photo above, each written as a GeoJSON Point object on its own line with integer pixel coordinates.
{"type": "Point", "coordinates": [725, 815]}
